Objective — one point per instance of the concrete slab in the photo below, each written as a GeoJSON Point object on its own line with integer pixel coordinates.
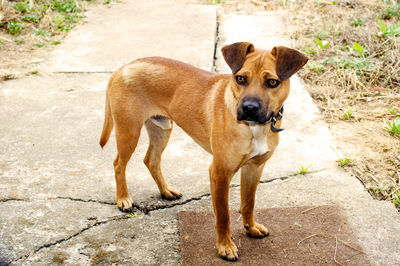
{"type": "Point", "coordinates": [141, 240]}
{"type": "Point", "coordinates": [154, 238]}
{"type": "Point", "coordinates": [49, 138]}
{"type": "Point", "coordinates": [28, 226]}
{"type": "Point", "coordinates": [116, 35]}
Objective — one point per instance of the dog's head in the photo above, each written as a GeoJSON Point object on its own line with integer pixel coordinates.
{"type": "Point", "coordinates": [260, 80]}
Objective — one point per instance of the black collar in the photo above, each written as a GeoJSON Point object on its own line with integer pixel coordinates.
{"type": "Point", "coordinates": [275, 118]}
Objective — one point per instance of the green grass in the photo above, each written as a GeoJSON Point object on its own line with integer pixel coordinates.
{"type": "Point", "coordinates": [386, 30]}
{"type": "Point", "coordinates": [360, 49]}
{"type": "Point", "coordinates": [45, 17]}
{"type": "Point", "coordinates": [322, 44]}
{"type": "Point", "coordinates": [14, 27]}
{"type": "Point", "coordinates": [32, 19]}
{"type": "Point", "coordinates": [391, 11]}
{"type": "Point", "coordinates": [215, 2]}
{"type": "Point", "coordinates": [348, 114]}
{"type": "Point", "coordinates": [39, 44]}
{"type": "Point", "coordinates": [19, 40]}
{"type": "Point", "coordinates": [393, 126]}
{"type": "Point", "coordinates": [396, 199]}
{"type": "Point", "coordinates": [132, 215]}
{"type": "Point", "coordinates": [303, 170]}
{"type": "Point", "coordinates": [357, 22]}
{"type": "Point", "coordinates": [342, 160]}
{"type": "Point", "coordinates": [41, 32]}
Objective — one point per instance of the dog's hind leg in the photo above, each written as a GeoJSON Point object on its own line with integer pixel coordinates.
{"type": "Point", "coordinates": [159, 129]}
{"type": "Point", "coordinates": [127, 136]}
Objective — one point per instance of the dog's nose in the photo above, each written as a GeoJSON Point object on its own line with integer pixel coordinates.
{"type": "Point", "coordinates": [250, 107]}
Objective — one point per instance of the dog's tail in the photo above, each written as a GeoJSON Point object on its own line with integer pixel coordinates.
{"type": "Point", "coordinates": [108, 121]}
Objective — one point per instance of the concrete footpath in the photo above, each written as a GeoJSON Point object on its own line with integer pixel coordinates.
{"type": "Point", "coordinates": [57, 188]}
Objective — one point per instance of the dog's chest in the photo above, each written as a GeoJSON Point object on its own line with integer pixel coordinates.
{"type": "Point", "coordinates": [259, 141]}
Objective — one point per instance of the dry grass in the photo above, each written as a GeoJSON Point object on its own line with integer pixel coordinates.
{"type": "Point", "coordinates": [28, 27]}
{"type": "Point", "coordinates": [355, 81]}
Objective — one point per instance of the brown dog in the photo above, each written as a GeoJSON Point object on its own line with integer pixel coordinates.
{"type": "Point", "coordinates": [234, 117]}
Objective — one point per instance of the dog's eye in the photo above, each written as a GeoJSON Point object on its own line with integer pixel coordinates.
{"type": "Point", "coordinates": [272, 83]}
{"type": "Point", "coordinates": [240, 80]}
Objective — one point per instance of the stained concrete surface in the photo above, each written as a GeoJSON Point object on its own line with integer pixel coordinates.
{"type": "Point", "coordinates": [57, 189]}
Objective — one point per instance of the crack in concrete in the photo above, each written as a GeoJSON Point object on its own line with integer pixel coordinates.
{"type": "Point", "coordinates": [144, 210]}
{"type": "Point", "coordinates": [114, 218]}
{"type": "Point", "coordinates": [84, 200]}
{"type": "Point", "coordinates": [11, 199]}
{"type": "Point", "coordinates": [216, 42]}
{"type": "Point", "coordinates": [282, 178]}
{"type": "Point", "coordinates": [147, 210]}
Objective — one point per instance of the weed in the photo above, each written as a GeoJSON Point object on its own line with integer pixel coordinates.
{"type": "Point", "coordinates": [39, 44]}
{"type": "Point", "coordinates": [316, 67]}
{"type": "Point", "coordinates": [215, 2]}
{"type": "Point", "coordinates": [391, 11]}
{"type": "Point", "coordinates": [22, 6]}
{"type": "Point", "coordinates": [34, 72]}
{"type": "Point", "coordinates": [357, 22]}
{"type": "Point", "coordinates": [393, 126]}
{"type": "Point", "coordinates": [32, 19]}
{"type": "Point", "coordinates": [19, 40]}
{"type": "Point", "coordinates": [39, 31]}
{"type": "Point", "coordinates": [392, 111]}
{"type": "Point", "coordinates": [385, 30]}
{"type": "Point", "coordinates": [310, 51]}
{"type": "Point", "coordinates": [132, 215]}
{"type": "Point", "coordinates": [55, 42]}
{"type": "Point", "coordinates": [303, 170]}
{"type": "Point", "coordinates": [14, 27]}
{"type": "Point", "coordinates": [322, 44]}
{"type": "Point", "coordinates": [342, 161]}
{"type": "Point", "coordinates": [349, 63]}
{"type": "Point", "coordinates": [396, 199]}
{"type": "Point", "coordinates": [68, 6]}
{"type": "Point", "coordinates": [360, 49]}
{"type": "Point", "coordinates": [321, 34]}
{"type": "Point", "coordinates": [379, 191]}
{"type": "Point", "coordinates": [348, 114]}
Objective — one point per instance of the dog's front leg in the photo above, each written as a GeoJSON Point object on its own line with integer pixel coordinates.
{"type": "Point", "coordinates": [250, 177]}
{"type": "Point", "coordinates": [220, 178]}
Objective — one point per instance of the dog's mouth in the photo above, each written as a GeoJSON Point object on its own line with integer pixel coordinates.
{"type": "Point", "coordinates": [257, 118]}
{"type": "Point", "coordinates": [252, 111]}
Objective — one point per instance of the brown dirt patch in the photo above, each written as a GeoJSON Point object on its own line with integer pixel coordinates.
{"type": "Point", "coordinates": [316, 236]}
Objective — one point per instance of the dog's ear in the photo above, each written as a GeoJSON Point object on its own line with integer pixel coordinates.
{"type": "Point", "coordinates": [288, 61]}
{"type": "Point", "coordinates": [235, 54]}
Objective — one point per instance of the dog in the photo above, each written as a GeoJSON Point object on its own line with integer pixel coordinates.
{"type": "Point", "coordinates": [235, 117]}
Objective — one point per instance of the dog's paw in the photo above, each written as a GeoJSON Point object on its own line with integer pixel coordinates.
{"type": "Point", "coordinates": [125, 204]}
{"type": "Point", "coordinates": [257, 231]}
{"type": "Point", "coordinates": [171, 194]}
{"type": "Point", "coordinates": [228, 250]}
